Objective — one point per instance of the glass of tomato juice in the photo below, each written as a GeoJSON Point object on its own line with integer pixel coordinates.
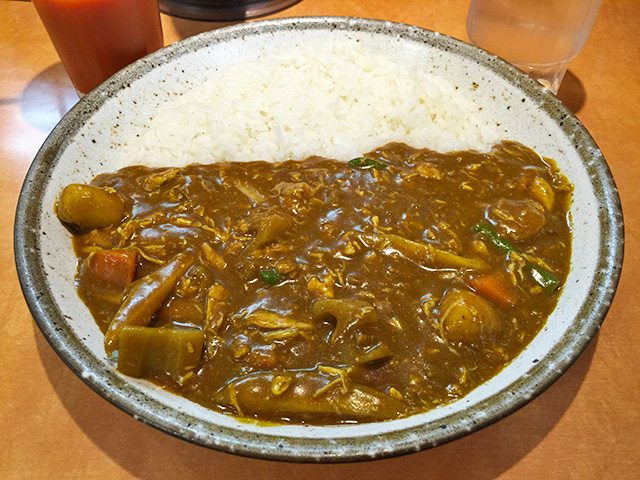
{"type": "Point", "coordinates": [96, 38]}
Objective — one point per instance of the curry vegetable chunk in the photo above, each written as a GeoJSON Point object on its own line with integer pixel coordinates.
{"type": "Point", "coordinates": [86, 207]}
{"type": "Point", "coordinates": [326, 292]}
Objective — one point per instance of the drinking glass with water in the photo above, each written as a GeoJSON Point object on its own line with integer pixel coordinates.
{"type": "Point", "coordinates": [540, 37]}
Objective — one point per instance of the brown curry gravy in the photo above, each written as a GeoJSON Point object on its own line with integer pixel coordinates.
{"type": "Point", "coordinates": [274, 239]}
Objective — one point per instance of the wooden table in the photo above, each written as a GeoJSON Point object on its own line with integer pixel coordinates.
{"type": "Point", "coordinates": [586, 426]}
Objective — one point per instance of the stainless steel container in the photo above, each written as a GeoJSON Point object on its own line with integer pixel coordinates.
{"type": "Point", "coordinates": [222, 10]}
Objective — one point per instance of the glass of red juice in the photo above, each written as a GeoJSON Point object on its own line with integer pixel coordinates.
{"type": "Point", "coordinates": [96, 38]}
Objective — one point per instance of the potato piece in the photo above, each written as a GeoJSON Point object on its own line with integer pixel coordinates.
{"type": "Point", "coordinates": [466, 317]}
{"type": "Point", "coordinates": [159, 353]}
{"type": "Point", "coordinates": [542, 193]}
{"type": "Point", "coordinates": [87, 207]}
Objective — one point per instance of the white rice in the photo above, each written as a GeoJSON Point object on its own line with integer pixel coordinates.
{"type": "Point", "coordinates": [337, 101]}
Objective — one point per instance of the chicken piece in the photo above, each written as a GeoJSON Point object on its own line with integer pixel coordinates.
{"type": "Point", "coordinates": [517, 219]}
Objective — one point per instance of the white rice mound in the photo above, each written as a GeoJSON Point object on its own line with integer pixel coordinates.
{"type": "Point", "coordinates": [337, 101]}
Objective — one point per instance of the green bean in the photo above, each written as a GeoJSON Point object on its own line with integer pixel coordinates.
{"type": "Point", "coordinates": [494, 238]}
{"type": "Point", "coordinates": [545, 279]}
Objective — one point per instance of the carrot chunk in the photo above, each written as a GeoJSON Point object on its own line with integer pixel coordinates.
{"type": "Point", "coordinates": [112, 267]}
{"type": "Point", "coordinates": [495, 287]}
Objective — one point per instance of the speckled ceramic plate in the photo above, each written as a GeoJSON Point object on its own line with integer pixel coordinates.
{"type": "Point", "coordinates": [91, 135]}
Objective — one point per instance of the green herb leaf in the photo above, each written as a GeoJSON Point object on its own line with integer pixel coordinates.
{"type": "Point", "coordinates": [270, 276]}
{"type": "Point", "coordinates": [362, 162]}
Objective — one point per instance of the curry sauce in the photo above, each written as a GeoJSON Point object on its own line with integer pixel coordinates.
{"type": "Point", "coordinates": [322, 291]}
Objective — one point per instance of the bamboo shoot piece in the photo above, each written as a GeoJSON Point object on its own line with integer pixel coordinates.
{"type": "Point", "coordinates": [273, 320]}
{"type": "Point", "coordinates": [159, 353]}
{"type": "Point", "coordinates": [422, 253]}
